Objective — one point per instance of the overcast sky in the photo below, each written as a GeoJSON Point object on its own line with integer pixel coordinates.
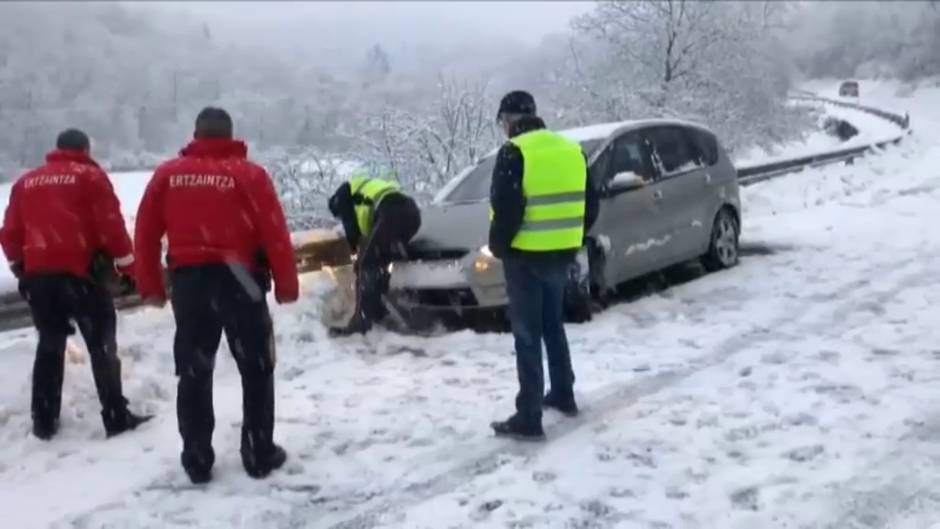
{"type": "Point", "coordinates": [527, 22]}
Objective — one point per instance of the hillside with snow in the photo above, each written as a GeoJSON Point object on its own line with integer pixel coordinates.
{"type": "Point", "coordinates": [799, 389]}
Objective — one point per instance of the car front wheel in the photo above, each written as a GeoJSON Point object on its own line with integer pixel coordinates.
{"type": "Point", "coordinates": [723, 246]}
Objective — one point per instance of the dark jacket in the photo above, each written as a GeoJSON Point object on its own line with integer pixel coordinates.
{"type": "Point", "coordinates": [342, 206]}
{"type": "Point", "coordinates": [508, 201]}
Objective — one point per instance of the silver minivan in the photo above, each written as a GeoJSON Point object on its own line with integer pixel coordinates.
{"type": "Point", "coordinates": [669, 195]}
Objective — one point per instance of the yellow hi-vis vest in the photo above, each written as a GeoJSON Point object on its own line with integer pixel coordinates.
{"type": "Point", "coordinates": [554, 181]}
{"type": "Point", "coordinates": [367, 194]}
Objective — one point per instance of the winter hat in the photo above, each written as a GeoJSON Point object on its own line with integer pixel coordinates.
{"type": "Point", "coordinates": [72, 140]}
{"type": "Point", "coordinates": [517, 102]}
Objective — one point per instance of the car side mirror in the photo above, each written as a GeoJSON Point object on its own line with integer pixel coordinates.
{"type": "Point", "coordinates": [625, 181]}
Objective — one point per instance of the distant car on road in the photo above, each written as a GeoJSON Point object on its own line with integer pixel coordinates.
{"type": "Point", "coordinates": [848, 89]}
{"type": "Point", "coordinates": [669, 195]}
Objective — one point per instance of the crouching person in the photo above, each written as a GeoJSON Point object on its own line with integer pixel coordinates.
{"type": "Point", "coordinates": [62, 218]}
{"type": "Point", "coordinates": [226, 233]}
{"type": "Point", "coordinates": [379, 221]}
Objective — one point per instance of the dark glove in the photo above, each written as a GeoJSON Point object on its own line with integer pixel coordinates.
{"type": "Point", "coordinates": [126, 285]}
{"type": "Point", "coordinates": [102, 270]}
{"type": "Point", "coordinates": [17, 269]}
{"type": "Point", "coordinates": [342, 196]}
{"type": "Point", "coordinates": [263, 274]}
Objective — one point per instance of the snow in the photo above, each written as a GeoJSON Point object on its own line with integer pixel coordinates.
{"type": "Point", "coordinates": [872, 129]}
{"type": "Point", "coordinates": [593, 132]}
{"type": "Point", "coordinates": [798, 390]}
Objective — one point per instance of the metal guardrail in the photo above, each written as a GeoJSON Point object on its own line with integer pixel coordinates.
{"type": "Point", "coordinates": [14, 312]}
{"type": "Point", "coordinates": [752, 174]}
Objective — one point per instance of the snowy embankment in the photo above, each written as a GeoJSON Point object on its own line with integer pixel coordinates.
{"type": "Point", "coordinates": [872, 129]}
{"type": "Point", "coordinates": [798, 390]}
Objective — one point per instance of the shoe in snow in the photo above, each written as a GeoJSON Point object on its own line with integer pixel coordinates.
{"type": "Point", "coordinates": [198, 466]}
{"type": "Point", "coordinates": [124, 421]}
{"type": "Point", "coordinates": [259, 468]}
{"type": "Point", "coordinates": [45, 430]}
{"type": "Point", "coordinates": [566, 406]}
{"type": "Point", "coordinates": [516, 428]}
{"type": "Point", "coordinates": [198, 476]}
{"type": "Point", "coordinates": [357, 326]}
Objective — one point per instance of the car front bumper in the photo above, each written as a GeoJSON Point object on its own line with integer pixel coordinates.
{"type": "Point", "coordinates": [473, 282]}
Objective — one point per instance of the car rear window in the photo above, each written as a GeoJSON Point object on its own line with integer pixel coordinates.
{"type": "Point", "coordinates": [673, 150]}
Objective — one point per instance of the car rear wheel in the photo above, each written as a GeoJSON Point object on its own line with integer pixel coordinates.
{"type": "Point", "coordinates": [723, 246]}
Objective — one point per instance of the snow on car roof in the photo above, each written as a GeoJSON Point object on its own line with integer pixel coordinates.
{"type": "Point", "coordinates": [603, 130]}
{"type": "Point", "coordinates": [595, 132]}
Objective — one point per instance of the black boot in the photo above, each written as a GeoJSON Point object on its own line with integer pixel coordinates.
{"type": "Point", "coordinates": [261, 467]}
{"type": "Point", "coordinates": [44, 429]}
{"type": "Point", "coordinates": [567, 406]}
{"type": "Point", "coordinates": [198, 466]}
{"type": "Point", "coordinates": [117, 422]}
{"type": "Point", "coordinates": [519, 429]}
{"type": "Point", "coordinates": [358, 325]}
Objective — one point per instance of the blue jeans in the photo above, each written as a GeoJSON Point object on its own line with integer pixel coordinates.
{"type": "Point", "coordinates": [536, 289]}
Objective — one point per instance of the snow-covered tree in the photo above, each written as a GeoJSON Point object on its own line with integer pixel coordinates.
{"type": "Point", "coordinates": [425, 149]}
{"type": "Point", "coordinates": [305, 179]}
{"type": "Point", "coordinates": [715, 62]}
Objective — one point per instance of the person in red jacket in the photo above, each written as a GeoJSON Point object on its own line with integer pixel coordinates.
{"type": "Point", "coordinates": [227, 236]}
{"type": "Point", "coordinates": [60, 218]}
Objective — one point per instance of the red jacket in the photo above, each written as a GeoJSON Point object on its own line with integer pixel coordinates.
{"type": "Point", "coordinates": [215, 207]}
{"type": "Point", "coordinates": [61, 214]}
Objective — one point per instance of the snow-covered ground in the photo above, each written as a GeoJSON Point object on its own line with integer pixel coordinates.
{"type": "Point", "coordinates": [798, 390]}
{"type": "Point", "coordinates": [872, 129]}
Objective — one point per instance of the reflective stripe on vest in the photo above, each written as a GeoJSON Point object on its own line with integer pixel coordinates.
{"type": "Point", "coordinates": [370, 192]}
{"type": "Point", "coordinates": [554, 181]}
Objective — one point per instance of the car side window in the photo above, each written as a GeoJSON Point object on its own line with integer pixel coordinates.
{"type": "Point", "coordinates": [599, 172]}
{"type": "Point", "coordinates": [706, 146]}
{"type": "Point", "coordinates": [630, 153]}
{"type": "Point", "coordinates": [672, 151]}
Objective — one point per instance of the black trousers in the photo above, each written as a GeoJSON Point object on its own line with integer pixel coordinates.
{"type": "Point", "coordinates": [54, 300]}
{"type": "Point", "coordinates": [207, 301]}
{"type": "Point", "coordinates": [397, 220]}
{"type": "Point", "coordinates": [536, 289]}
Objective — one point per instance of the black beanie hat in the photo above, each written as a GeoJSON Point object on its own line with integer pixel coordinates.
{"type": "Point", "coordinates": [72, 140]}
{"type": "Point", "coordinates": [517, 102]}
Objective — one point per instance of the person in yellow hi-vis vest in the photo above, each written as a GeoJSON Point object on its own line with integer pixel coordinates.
{"type": "Point", "coordinates": [379, 220]}
{"type": "Point", "coordinates": [542, 205]}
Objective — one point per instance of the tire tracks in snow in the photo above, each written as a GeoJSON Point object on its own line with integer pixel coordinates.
{"type": "Point", "coordinates": [905, 494]}
{"type": "Point", "coordinates": [399, 495]}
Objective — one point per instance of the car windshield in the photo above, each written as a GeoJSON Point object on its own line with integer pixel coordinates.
{"type": "Point", "coordinates": [476, 185]}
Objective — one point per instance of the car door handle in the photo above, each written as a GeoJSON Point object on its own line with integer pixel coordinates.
{"type": "Point", "coordinates": [658, 194]}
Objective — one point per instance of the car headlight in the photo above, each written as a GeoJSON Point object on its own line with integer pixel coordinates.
{"type": "Point", "coordinates": [484, 260]}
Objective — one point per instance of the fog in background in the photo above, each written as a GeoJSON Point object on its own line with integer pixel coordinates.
{"type": "Point", "coordinates": [319, 26]}
{"type": "Point", "coordinates": [412, 87]}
